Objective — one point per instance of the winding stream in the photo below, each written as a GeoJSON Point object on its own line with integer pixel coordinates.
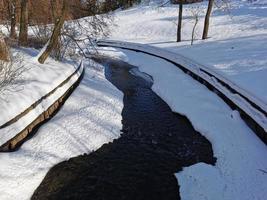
{"type": "Point", "coordinates": [155, 143]}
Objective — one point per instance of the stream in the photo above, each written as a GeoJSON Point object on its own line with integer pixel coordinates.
{"type": "Point", "coordinates": [154, 145]}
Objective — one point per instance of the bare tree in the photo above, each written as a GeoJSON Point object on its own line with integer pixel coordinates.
{"type": "Point", "coordinates": [53, 41]}
{"type": "Point", "coordinates": [4, 51]}
{"type": "Point", "coordinates": [77, 36]}
{"type": "Point", "coordinates": [8, 16]}
{"type": "Point", "coordinates": [23, 33]}
{"type": "Point", "coordinates": [195, 13]}
{"type": "Point", "coordinates": [13, 18]}
{"type": "Point", "coordinates": [53, 4]}
{"type": "Point", "coordinates": [82, 34]}
{"type": "Point", "coordinates": [179, 27]}
{"type": "Point", "coordinates": [207, 20]}
{"type": "Point", "coordinates": [10, 72]}
{"type": "Point", "coordinates": [10, 68]}
{"type": "Point", "coordinates": [180, 16]}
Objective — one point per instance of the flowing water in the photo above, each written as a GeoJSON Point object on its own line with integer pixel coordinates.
{"type": "Point", "coordinates": [155, 143]}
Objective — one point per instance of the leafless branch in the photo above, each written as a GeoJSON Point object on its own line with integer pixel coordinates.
{"type": "Point", "coordinates": [10, 73]}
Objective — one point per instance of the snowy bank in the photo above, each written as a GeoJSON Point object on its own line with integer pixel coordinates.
{"type": "Point", "coordinates": [26, 124]}
{"type": "Point", "coordinates": [30, 112]}
{"type": "Point", "coordinates": [236, 49]}
{"type": "Point", "coordinates": [89, 118]}
{"type": "Point", "coordinates": [240, 170]}
{"type": "Point", "coordinates": [253, 107]}
{"type": "Point", "coordinates": [37, 80]}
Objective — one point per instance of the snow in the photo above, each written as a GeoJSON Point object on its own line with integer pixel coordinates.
{"type": "Point", "coordinates": [240, 60]}
{"type": "Point", "coordinates": [236, 49]}
{"type": "Point", "coordinates": [89, 118]}
{"type": "Point", "coordinates": [36, 81]}
{"type": "Point", "coordinates": [237, 52]}
{"type": "Point", "coordinates": [239, 170]}
{"type": "Point", "coordinates": [206, 74]}
{"type": "Point", "coordinates": [136, 72]}
{"type": "Point", "coordinates": [12, 130]}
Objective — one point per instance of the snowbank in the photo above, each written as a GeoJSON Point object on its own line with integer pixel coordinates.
{"type": "Point", "coordinates": [248, 103]}
{"type": "Point", "coordinates": [236, 49]}
{"type": "Point", "coordinates": [240, 170]}
{"type": "Point", "coordinates": [37, 81]}
{"type": "Point", "coordinates": [90, 118]}
{"type": "Point", "coordinates": [15, 133]}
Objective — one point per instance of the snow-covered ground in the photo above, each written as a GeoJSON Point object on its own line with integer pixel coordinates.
{"type": "Point", "coordinates": [237, 47]}
{"type": "Point", "coordinates": [88, 119]}
{"type": "Point", "coordinates": [36, 81]}
{"type": "Point", "coordinates": [241, 168]}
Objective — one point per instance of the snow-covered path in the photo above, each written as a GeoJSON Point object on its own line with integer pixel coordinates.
{"type": "Point", "coordinates": [89, 118]}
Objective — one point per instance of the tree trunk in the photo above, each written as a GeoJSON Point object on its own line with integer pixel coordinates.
{"type": "Point", "coordinates": [13, 20]}
{"type": "Point", "coordinates": [23, 32]}
{"type": "Point", "coordinates": [57, 48]}
{"type": "Point", "coordinates": [53, 4]}
{"type": "Point", "coordinates": [53, 41]}
{"type": "Point", "coordinates": [194, 29]}
{"type": "Point", "coordinates": [179, 27]}
{"type": "Point", "coordinates": [207, 20]}
{"type": "Point", "coordinates": [4, 52]}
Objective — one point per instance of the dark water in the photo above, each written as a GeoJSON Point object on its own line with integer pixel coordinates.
{"type": "Point", "coordinates": [155, 144]}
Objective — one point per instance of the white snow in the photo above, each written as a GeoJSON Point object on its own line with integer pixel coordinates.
{"type": "Point", "coordinates": [236, 49]}
{"type": "Point", "coordinates": [136, 72]}
{"type": "Point", "coordinates": [89, 118]}
{"type": "Point", "coordinates": [12, 130]}
{"type": "Point", "coordinates": [240, 169]}
{"type": "Point", "coordinates": [206, 74]}
{"type": "Point", "coordinates": [37, 80]}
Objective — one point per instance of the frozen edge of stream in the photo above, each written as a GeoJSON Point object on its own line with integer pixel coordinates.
{"type": "Point", "coordinates": [239, 171]}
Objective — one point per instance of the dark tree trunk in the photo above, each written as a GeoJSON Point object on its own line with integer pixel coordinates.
{"type": "Point", "coordinates": [23, 32]}
{"type": "Point", "coordinates": [13, 19]}
{"type": "Point", "coordinates": [53, 41]}
{"type": "Point", "coordinates": [207, 20]}
{"type": "Point", "coordinates": [57, 48]}
{"type": "Point", "coordinates": [179, 27]}
{"type": "Point", "coordinates": [4, 53]}
{"type": "Point", "coordinates": [53, 4]}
